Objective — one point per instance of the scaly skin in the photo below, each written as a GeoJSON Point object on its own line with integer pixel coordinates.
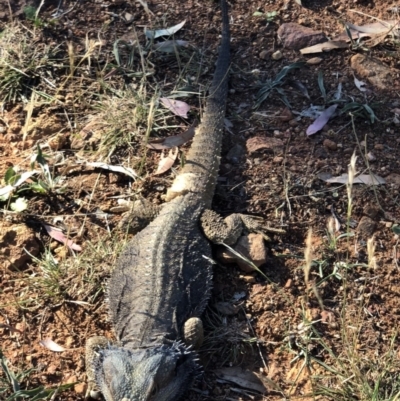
{"type": "Point", "coordinates": [163, 277]}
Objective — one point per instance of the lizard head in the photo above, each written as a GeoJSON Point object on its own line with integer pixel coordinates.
{"type": "Point", "coordinates": [162, 373]}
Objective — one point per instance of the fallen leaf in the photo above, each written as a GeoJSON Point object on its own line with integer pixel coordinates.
{"type": "Point", "coordinates": [375, 27]}
{"type": "Point", "coordinates": [178, 107]}
{"type": "Point", "coordinates": [325, 47]}
{"type": "Point", "coordinates": [51, 345]}
{"type": "Point", "coordinates": [170, 46]}
{"type": "Point", "coordinates": [164, 32]}
{"type": "Point", "coordinates": [173, 141]}
{"type": "Point", "coordinates": [117, 169]}
{"type": "Point", "coordinates": [359, 84]}
{"type": "Point", "coordinates": [261, 142]}
{"type": "Point", "coordinates": [5, 191]}
{"type": "Point", "coordinates": [243, 378]}
{"type": "Point", "coordinates": [321, 121]}
{"type": "Point", "coordinates": [367, 179]}
{"type": "Point", "coordinates": [166, 162]}
{"type": "Point", "coordinates": [58, 235]}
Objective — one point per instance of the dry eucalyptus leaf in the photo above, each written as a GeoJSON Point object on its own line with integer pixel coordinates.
{"type": "Point", "coordinates": [173, 141]}
{"type": "Point", "coordinates": [117, 169]}
{"type": "Point", "coordinates": [178, 107]}
{"type": "Point", "coordinates": [59, 236]}
{"type": "Point", "coordinates": [367, 179]}
{"type": "Point", "coordinates": [51, 345]}
{"type": "Point", "coordinates": [164, 32]}
{"type": "Point", "coordinates": [325, 47]}
{"type": "Point", "coordinates": [166, 162]}
{"type": "Point", "coordinates": [321, 121]}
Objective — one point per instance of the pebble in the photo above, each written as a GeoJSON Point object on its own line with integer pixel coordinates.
{"type": "Point", "coordinates": [248, 279]}
{"type": "Point", "coordinates": [277, 55]}
{"type": "Point", "coordinates": [314, 60]}
{"type": "Point", "coordinates": [329, 144]}
{"type": "Point", "coordinates": [264, 54]}
{"type": "Point", "coordinates": [379, 146]}
{"type": "Point", "coordinates": [289, 283]}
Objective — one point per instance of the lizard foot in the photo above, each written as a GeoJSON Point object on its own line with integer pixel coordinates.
{"type": "Point", "coordinates": [140, 215]}
{"type": "Point", "coordinates": [228, 230]}
{"type": "Point", "coordinates": [93, 345]}
{"type": "Point", "coordinates": [193, 332]}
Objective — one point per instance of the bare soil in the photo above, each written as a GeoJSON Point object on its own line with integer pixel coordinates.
{"type": "Point", "coordinates": [282, 320]}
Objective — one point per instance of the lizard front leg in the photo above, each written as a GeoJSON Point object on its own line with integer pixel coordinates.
{"type": "Point", "coordinates": [93, 346]}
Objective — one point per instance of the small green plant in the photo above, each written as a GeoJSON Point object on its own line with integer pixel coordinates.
{"type": "Point", "coordinates": [31, 14]}
{"type": "Point", "coordinates": [11, 385]}
{"type": "Point", "coordinates": [269, 16]}
{"type": "Point", "coordinates": [275, 85]}
{"type": "Point", "coordinates": [21, 63]}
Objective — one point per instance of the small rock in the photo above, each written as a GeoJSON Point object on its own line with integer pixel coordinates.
{"type": "Point", "coordinates": [248, 279]}
{"type": "Point", "coordinates": [371, 157]}
{"type": "Point", "coordinates": [260, 142]}
{"type": "Point", "coordinates": [278, 159]}
{"type": "Point", "coordinates": [289, 283]}
{"type": "Point", "coordinates": [314, 60]}
{"type": "Point", "coordinates": [375, 71]}
{"type": "Point", "coordinates": [329, 144]}
{"type": "Point", "coordinates": [128, 17]}
{"type": "Point", "coordinates": [235, 154]}
{"type": "Point", "coordinates": [251, 246]}
{"type": "Point", "coordinates": [264, 54]}
{"type": "Point", "coordinates": [295, 36]}
{"type": "Point", "coordinates": [366, 227]}
{"type": "Point", "coordinates": [17, 245]}
{"type": "Point", "coordinates": [277, 55]}
{"type": "Point", "coordinates": [371, 210]}
{"type": "Point", "coordinates": [393, 179]}
{"type": "Point", "coordinates": [379, 146]}
{"type": "Point", "coordinates": [80, 388]}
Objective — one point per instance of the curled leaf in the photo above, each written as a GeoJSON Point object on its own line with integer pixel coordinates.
{"type": "Point", "coordinates": [58, 235]}
{"type": "Point", "coordinates": [321, 121]}
{"type": "Point", "coordinates": [117, 169]}
{"type": "Point", "coordinates": [178, 107]}
{"type": "Point", "coordinates": [166, 162]}
{"type": "Point", "coordinates": [164, 32]}
{"type": "Point", "coordinates": [51, 345]}
{"type": "Point", "coordinates": [173, 141]}
{"type": "Point", "coordinates": [367, 179]}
